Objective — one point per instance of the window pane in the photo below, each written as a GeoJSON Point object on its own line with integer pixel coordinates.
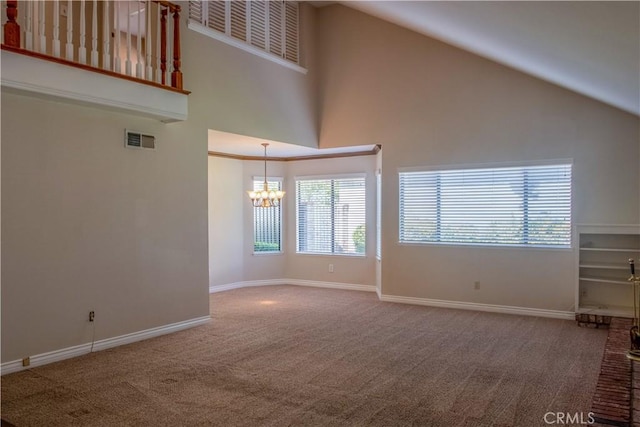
{"type": "Point", "coordinates": [505, 206]}
{"type": "Point", "coordinates": [267, 231]}
{"type": "Point", "coordinates": [331, 216]}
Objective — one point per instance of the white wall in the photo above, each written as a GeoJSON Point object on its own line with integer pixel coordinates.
{"type": "Point", "coordinates": [347, 269]}
{"type": "Point", "coordinates": [226, 229]}
{"type": "Point", "coordinates": [429, 103]}
{"type": "Point", "coordinates": [90, 225]}
{"type": "Point", "coordinates": [289, 264]}
{"type": "Point", "coordinates": [238, 92]}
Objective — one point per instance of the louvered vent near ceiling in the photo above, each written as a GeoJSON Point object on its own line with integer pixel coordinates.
{"type": "Point", "coordinates": [271, 26]}
{"type": "Point", "coordinates": [133, 139]}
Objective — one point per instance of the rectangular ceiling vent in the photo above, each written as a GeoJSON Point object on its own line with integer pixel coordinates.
{"type": "Point", "coordinates": [134, 139]}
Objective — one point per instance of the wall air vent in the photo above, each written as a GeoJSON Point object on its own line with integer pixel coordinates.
{"type": "Point", "coordinates": [133, 139]}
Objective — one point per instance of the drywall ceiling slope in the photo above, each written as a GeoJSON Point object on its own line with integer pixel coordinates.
{"type": "Point", "coordinates": [590, 47]}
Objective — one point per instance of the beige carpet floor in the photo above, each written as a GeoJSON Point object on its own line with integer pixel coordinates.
{"type": "Point", "coordinates": [294, 356]}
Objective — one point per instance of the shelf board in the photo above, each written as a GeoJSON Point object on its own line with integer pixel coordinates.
{"type": "Point", "coordinates": [611, 249]}
{"type": "Point", "coordinates": [606, 310]}
{"type": "Point", "coordinates": [604, 280]}
{"type": "Point", "coordinates": [605, 266]}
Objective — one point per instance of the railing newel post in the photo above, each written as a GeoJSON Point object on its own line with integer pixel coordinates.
{"type": "Point", "coordinates": [12, 28]}
{"type": "Point", "coordinates": [163, 44]}
{"type": "Point", "coordinates": [176, 75]}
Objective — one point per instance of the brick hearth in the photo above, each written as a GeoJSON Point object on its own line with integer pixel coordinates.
{"type": "Point", "coordinates": [612, 399]}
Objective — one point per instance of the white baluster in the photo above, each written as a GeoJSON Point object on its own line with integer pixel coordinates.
{"type": "Point", "coordinates": [82, 50]}
{"type": "Point", "coordinates": [139, 66]}
{"type": "Point", "coordinates": [69, 44]}
{"type": "Point", "coordinates": [43, 37]}
{"type": "Point", "coordinates": [56, 28]}
{"type": "Point", "coordinates": [28, 28]}
{"type": "Point", "coordinates": [116, 46]}
{"type": "Point", "coordinates": [158, 69]}
{"type": "Point", "coordinates": [94, 35]}
{"type": "Point", "coordinates": [127, 64]}
{"type": "Point", "coordinates": [106, 58]}
{"type": "Point", "coordinates": [147, 41]}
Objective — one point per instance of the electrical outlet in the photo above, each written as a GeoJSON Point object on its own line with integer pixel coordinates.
{"type": "Point", "coordinates": [476, 285]}
{"type": "Point", "coordinates": [330, 268]}
{"type": "Point", "coordinates": [92, 316]}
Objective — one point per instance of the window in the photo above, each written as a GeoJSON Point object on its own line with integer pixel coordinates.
{"type": "Point", "coordinates": [267, 229]}
{"type": "Point", "coordinates": [497, 206]}
{"type": "Point", "coordinates": [260, 26]}
{"type": "Point", "coordinates": [331, 215]}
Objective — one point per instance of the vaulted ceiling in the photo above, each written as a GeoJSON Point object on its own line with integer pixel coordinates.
{"type": "Point", "coordinates": [590, 47]}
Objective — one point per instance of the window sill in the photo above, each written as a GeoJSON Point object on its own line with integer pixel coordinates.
{"type": "Point", "coordinates": [267, 253]}
{"type": "Point", "coordinates": [332, 255]}
{"type": "Point", "coordinates": [487, 246]}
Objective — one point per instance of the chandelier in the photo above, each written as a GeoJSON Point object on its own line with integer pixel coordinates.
{"type": "Point", "coordinates": [265, 198]}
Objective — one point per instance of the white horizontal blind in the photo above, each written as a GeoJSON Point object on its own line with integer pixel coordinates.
{"type": "Point", "coordinates": [498, 206]}
{"type": "Point", "coordinates": [258, 27]}
{"type": "Point", "coordinates": [238, 11]}
{"type": "Point", "coordinates": [331, 215]}
{"type": "Point", "coordinates": [267, 222]}
{"type": "Point", "coordinates": [271, 26]}
{"type": "Point", "coordinates": [275, 27]}
{"type": "Point", "coordinates": [291, 31]}
{"type": "Point", "coordinates": [195, 11]}
{"type": "Point", "coordinates": [216, 15]}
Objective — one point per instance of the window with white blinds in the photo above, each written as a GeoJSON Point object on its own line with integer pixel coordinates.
{"type": "Point", "coordinates": [272, 26]}
{"type": "Point", "coordinates": [519, 206]}
{"type": "Point", "coordinates": [331, 215]}
{"type": "Point", "coordinates": [267, 222]}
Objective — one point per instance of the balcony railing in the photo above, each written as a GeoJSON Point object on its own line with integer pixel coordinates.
{"type": "Point", "coordinates": [137, 40]}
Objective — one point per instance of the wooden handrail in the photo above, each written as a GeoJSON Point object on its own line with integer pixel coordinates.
{"type": "Point", "coordinates": [172, 7]}
{"type": "Point", "coordinates": [12, 33]}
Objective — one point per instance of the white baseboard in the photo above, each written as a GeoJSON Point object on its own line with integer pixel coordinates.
{"type": "Point", "coordinates": [295, 282]}
{"type": "Point", "coordinates": [247, 284]}
{"type": "Point", "coordinates": [332, 285]}
{"type": "Point", "coordinates": [505, 309]}
{"type": "Point", "coordinates": [79, 350]}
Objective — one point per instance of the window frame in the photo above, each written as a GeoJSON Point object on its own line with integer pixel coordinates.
{"type": "Point", "coordinates": [359, 175]}
{"type": "Point", "coordinates": [459, 167]}
{"type": "Point", "coordinates": [260, 180]}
